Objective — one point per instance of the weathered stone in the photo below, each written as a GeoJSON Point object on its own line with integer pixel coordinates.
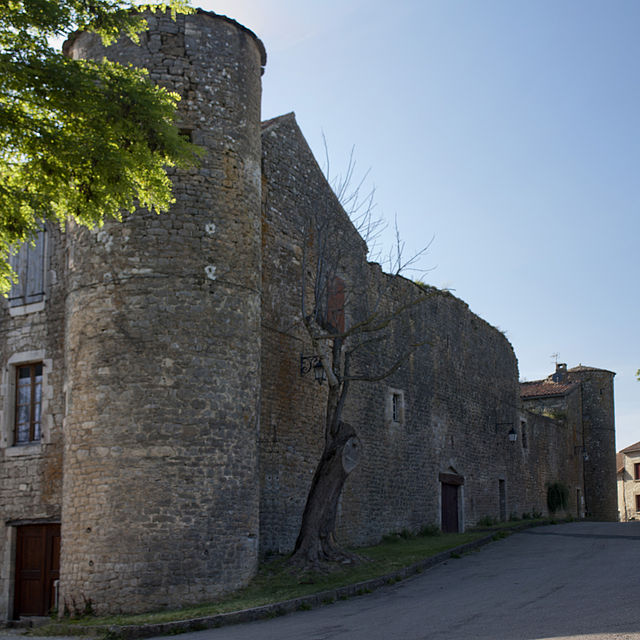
{"type": "Point", "coordinates": [179, 437]}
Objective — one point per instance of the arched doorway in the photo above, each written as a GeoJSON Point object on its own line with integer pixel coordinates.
{"type": "Point", "coordinates": [451, 517]}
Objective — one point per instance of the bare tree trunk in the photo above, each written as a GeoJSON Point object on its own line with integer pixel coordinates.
{"type": "Point", "coordinates": [316, 543]}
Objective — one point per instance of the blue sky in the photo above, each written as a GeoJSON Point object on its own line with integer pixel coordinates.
{"type": "Point", "coordinates": [510, 131]}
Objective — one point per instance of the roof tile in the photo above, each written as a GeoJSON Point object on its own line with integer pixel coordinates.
{"type": "Point", "coordinates": [541, 388]}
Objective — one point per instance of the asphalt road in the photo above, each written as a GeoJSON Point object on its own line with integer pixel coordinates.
{"type": "Point", "coordinates": [578, 581]}
{"type": "Point", "coordinates": [572, 581]}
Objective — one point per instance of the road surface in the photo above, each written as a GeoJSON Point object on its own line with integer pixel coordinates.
{"type": "Point", "coordinates": [579, 580]}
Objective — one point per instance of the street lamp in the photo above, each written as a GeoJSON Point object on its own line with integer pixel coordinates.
{"type": "Point", "coordinates": [307, 363]}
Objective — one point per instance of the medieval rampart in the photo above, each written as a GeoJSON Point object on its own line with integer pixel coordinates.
{"type": "Point", "coordinates": [178, 437]}
{"type": "Point", "coordinates": [458, 390]}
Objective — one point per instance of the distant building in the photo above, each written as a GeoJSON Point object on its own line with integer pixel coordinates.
{"type": "Point", "coordinates": [580, 401]}
{"type": "Point", "coordinates": [628, 467]}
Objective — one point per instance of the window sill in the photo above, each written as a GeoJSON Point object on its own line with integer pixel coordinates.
{"type": "Point", "coordinates": [24, 309]}
{"type": "Point", "coordinates": [30, 449]}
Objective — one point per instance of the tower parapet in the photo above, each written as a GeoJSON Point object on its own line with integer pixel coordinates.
{"type": "Point", "coordinates": [163, 347]}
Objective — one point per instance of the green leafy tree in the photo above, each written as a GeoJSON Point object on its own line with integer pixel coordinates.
{"type": "Point", "coordinates": [79, 139]}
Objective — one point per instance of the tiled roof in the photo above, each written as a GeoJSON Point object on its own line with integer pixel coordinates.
{"type": "Point", "coordinates": [619, 462]}
{"type": "Point", "coordinates": [631, 447]}
{"type": "Point", "coordinates": [541, 388]}
{"type": "Point", "coordinates": [581, 367]}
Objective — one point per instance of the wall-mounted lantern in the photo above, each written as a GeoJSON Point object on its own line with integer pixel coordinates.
{"type": "Point", "coordinates": [308, 363]}
{"type": "Point", "coordinates": [513, 434]}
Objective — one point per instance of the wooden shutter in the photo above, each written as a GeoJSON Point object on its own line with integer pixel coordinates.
{"type": "Point", "coordinates": [28, 263]}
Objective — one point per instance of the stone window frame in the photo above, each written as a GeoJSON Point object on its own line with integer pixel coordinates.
{"type": "Point", "coordinates": [24, 307]}
{"type": "Point", "coordinates": [394, 409]}
{"type": "Point", "coordinates": [8, 392]}
{"type": "Point", "coordinates": [636, 471]}
{"type": "Point", "coordinates": [32, 384]}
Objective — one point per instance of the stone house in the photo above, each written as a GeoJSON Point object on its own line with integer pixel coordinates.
{"type": "Point", "coordinates": [628, 468]}
{"type": "Point", "coordinates": [580, 403]}
{"type": "Point", "coordinates": [158, 434]}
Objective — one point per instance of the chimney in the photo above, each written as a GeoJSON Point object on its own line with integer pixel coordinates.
{"type": "Point", "coordinates": [561, 372]}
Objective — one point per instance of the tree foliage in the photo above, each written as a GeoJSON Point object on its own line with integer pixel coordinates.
{"type": "Point", "coordinates": [78, 138]}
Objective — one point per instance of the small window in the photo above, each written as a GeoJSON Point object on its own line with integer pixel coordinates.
{"type": "Point", "coordinates": [523, 428]}
{"type": "Point", "coordinates": [394, 409]}
{"type": "Point", "coordinates": [636, 471]}
{"type": "Point", "coordinates": [28, 263]}
{"type": "Point", "coordinates": [638, 503]}
{"type": "Point", "coordinates": [28, 403]}
{"type": "Point", "coordinates": [186, 132]}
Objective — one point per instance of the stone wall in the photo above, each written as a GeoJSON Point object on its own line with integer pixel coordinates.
{"type": "Point", "coordinates": [557, 419]}
{"type": "Point", "coordinates": [172, 369]}
{"type": "Point", "coordinates": [599, 441]}
{"type": "Point", "coordinates": [31, 474]}
{"type": "Point", "coordinates": [458, 388]}
{"type": "Point", "coordinates": [291, 438]}
{"type": "Point", "coordinates": [553, 456]}
{"type": "Point", "coordinates": [160, 499]}
{"type": "Point", "coordinates": [628, 487]}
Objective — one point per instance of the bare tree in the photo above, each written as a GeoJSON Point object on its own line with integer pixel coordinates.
{"type": "Point", "coordinates": [346, 316]}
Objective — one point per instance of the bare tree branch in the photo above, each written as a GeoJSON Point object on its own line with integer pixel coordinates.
{"type": "Point", "coordinates": [340, 325]}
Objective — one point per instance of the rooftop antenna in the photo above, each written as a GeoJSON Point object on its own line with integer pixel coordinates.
{"type": "Point", "coordinates": [555, 357]}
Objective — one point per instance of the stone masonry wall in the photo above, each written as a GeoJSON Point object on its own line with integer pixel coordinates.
{"type": "Point", "coordinates": [553, 456]}
{"type": "Point", "coordinates": [31, 474]}
{"type": "Point", "coordinates": [179, 435]}
{"type": "Point", "coordinates": [459, 397]}
{"type": "Point", "coordinates": [163, 349]}
{"type": "Point", "coordinates": [628, 487]}
{"type": "Point", "coordinates": [459, 389]}
{"type": "Point", "coordinates": [599, 441]}
{"type": "Point", "coordinates": [555, 423]}
{"type": "Point", "coordinates": [294, 190]}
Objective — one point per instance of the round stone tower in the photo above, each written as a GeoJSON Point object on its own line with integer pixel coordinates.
{"type": "Point", "coordinates": [162, 348]}
{"type": "Point", "coordinates": [598, 420]}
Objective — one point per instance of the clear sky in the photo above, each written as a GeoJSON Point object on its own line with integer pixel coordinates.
{"type": "Point", "coordinates": [510, 131]}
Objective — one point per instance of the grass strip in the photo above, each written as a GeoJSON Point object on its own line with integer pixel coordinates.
{"type": "Point", "coordinates": [276, 583]}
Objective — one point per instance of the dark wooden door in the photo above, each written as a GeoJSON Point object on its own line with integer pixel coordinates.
{"type": "Point", "coordinates": [37, 567]}
{"type": "Point", "coordinates": [449, 508]}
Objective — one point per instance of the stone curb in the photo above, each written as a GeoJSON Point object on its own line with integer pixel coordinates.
{"type": "Point", "coordinates": [132, 632]}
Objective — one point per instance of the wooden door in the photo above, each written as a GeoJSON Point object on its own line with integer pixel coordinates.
{"type": "Point", "coordinates": [37, 568]}
{"type": "Point", "coordinates": [449, 508]}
